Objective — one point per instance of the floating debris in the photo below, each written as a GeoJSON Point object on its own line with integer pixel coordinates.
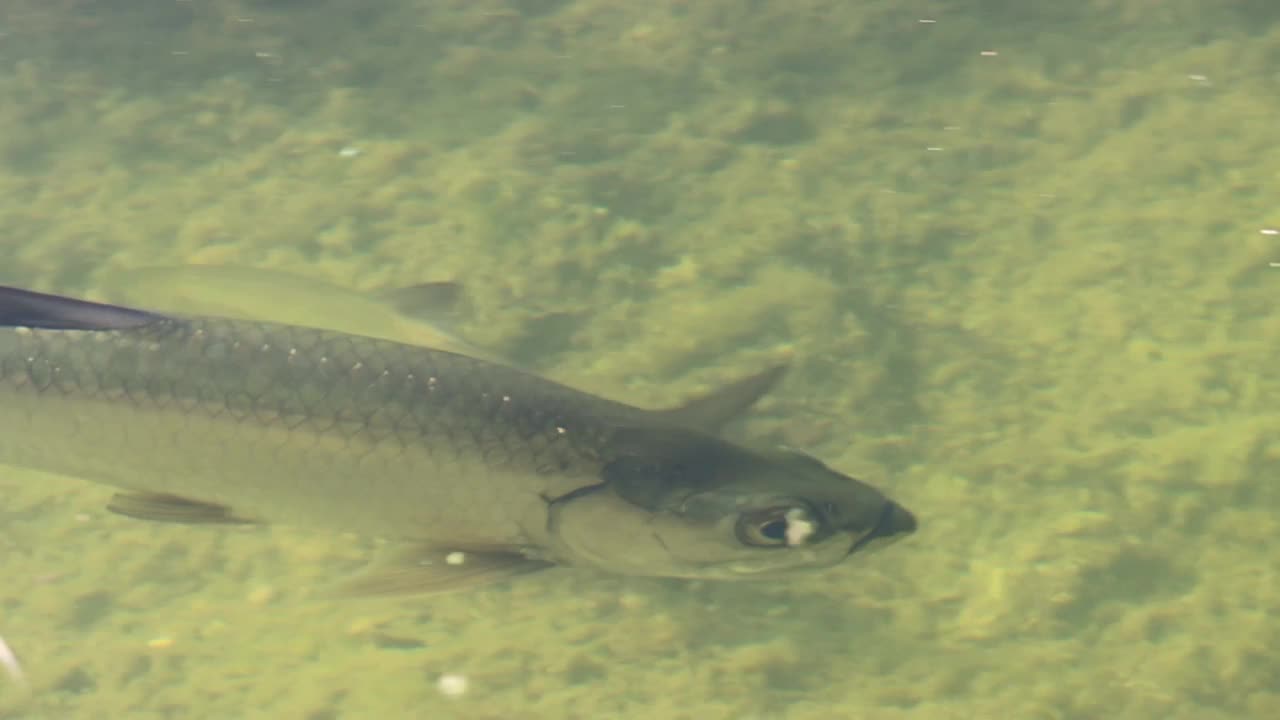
{"type": "Point", "coordinates": [452, 684]}
{"type": "Point", "coordinates": [164, 642]}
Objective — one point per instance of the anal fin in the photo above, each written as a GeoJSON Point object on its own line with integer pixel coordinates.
{"type": "Point", "coordinates": [421, 570]}
{"type": "Point", "coordinates": [159, 507]}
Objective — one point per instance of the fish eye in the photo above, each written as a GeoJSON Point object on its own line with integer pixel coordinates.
{"type": "Point", "coordinates": [776, 527]}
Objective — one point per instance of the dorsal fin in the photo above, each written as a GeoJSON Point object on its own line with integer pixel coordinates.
{"type": "Point", "coordinates": [714, 410]}
{"type": "Point", "coordinates": [24, 308]}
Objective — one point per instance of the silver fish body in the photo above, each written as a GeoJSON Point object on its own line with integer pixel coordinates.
{"type": "Point", "coordinates": [226, 420]}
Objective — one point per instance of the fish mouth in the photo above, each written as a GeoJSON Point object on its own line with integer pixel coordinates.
{"type": "Point", "coordinates": [894, 522]}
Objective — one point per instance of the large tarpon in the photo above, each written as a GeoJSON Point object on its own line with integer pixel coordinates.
{"type": "Point", "coordinates": [481, 470]}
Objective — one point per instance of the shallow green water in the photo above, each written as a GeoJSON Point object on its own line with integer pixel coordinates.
{"type": "Point", "coordinates": [1019, 250]}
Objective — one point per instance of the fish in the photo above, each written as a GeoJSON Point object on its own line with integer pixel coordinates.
{"type": "Point", "coordinates": [414, 314]}
{"type": "Point", "coordinates": [473, 471]}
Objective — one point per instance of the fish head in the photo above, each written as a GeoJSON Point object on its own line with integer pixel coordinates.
{"type": "Point", "coordinates": [681, 504]}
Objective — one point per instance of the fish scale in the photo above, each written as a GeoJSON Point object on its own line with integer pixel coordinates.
{"type": "Point", "coordinates": [340, 414]}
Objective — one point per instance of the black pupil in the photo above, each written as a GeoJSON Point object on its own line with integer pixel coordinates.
{"type": "Point", "coordinates": [775, 529]}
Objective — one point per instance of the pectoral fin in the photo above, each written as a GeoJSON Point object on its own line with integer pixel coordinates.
{"type": "Point", "coordinates": [420, 570]}
{"type": "Point", "coordinates": [171, 508]}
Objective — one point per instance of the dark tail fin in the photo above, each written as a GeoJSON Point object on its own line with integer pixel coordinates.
{"type": "Point", "coordinates": [24, 308]}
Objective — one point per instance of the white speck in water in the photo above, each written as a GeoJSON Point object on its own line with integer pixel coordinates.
{"type": "Point", "coordinates": [455, 558]}
{"type": "Point", "coordinates": [349, 151]}
{"type": "Point", "coordinates": [452, 684]}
